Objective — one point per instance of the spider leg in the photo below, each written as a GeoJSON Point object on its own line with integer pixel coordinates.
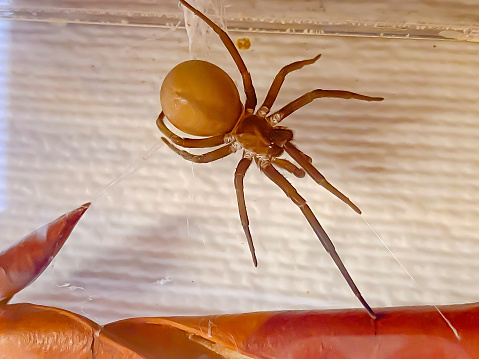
{"type": "Point", "coordinates": [241, 169]}
{"type": "Point", "coordinates": [298, 156]}
{"type": "Point", "coordinates": [188, 142]}
{"type": "Point", "coordinates": [290, 167]}
{"type": "Point", "coordinates": [278, 82]}
{"type": "Point", "coordinates": [308, 97]}
{"type": "Point", "coordinates": [203, 158]}
{"type": "Point", "coordinates": [281, 137]}
{"type": "Point", "coordinates": [291, 192]}
{"type": "Point", "coordinates": [247, 82]}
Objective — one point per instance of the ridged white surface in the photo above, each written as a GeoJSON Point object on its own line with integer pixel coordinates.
{"type": "Point", "coordinates": [79, 110]}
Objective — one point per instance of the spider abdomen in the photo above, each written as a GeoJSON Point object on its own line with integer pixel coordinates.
{"type": "Point", "coordinates": [201, 99]}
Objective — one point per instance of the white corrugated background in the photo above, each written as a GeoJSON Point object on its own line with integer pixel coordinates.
{"type": "Point", "coordinates": [79, 109]}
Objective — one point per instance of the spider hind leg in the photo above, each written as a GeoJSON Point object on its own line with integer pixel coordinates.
{"type": "Point", "coordinates": [204, 158]}
{"type": "Point", "coordinates": [187, 142]}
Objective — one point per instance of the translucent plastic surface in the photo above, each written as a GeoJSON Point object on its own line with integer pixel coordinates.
{"type": "Point", "coordinates": [409, 19]}
{"type": "Point", "coordinates": [79, 103]}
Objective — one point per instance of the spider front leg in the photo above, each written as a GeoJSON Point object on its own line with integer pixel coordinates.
{"type": "Point", "coordinates": [278, 82]}
{"type": "Point", "coordinates": [282, 137]}
{"type": "Point", "coordinates": [188, 142]}
{"type": "Point", "coordinates": [298, 156]}
{"type": "Point", "coordinates": [241, 169]}
{"type": "Point", "coordinates": [204, 158]}
{"type": "Point", "coordinates": [291, 192]}
{"type": "Point", "coordinates": [247, 82]}
{"type": "Point", "coordinates": [301, 101]}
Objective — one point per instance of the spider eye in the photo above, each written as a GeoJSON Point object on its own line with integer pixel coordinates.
{"type": "Point", "coordinates": [201, 99]}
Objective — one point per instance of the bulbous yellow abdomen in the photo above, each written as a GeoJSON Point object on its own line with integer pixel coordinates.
{"type": "Point", "coordinates": [201, 99]}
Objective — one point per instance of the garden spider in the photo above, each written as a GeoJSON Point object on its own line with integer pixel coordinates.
{"type": "Point", "coordinates": [200, 99]}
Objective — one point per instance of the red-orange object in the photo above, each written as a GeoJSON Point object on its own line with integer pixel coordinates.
{"type": "Point", "coordinates": [33, 331]}
{"type": "Point", "coordinates": [406, 333]}
{"type": "Point", "coordinates": [28, 330]}
{"type": "Point", "coordinates": [23, 262]}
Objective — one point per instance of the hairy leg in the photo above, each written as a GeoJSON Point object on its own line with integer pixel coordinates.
{"type": "Point", "coordinates": [204, 158]}
{"type": "Point", "coordinates": [247, 82]}
{"type": "Point", "coordinates": [291, 192]}
{"type": "Point", "coordinates": [278, 82]}
{"type": "Point", "coordinates": [301, 101]}
{"type": "Point", "coordinates": [298, 156]}
{"type": "Point", "coordinates": [241, 169]}
{"type": "Point", "coordinates": [188, 142]}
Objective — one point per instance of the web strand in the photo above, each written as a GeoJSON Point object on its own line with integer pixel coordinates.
{"type": "Point", "coordinates": [454, 330]}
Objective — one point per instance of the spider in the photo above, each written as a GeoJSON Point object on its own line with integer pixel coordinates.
{"type": "Point", "coordinates": [200, 99]}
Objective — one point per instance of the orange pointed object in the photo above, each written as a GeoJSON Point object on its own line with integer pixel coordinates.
{"type": "Point", "coordinates": [24, 261]}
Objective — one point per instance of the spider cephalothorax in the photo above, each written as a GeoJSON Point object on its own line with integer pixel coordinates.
{"type": "Point", "coordinates": [201, 99]}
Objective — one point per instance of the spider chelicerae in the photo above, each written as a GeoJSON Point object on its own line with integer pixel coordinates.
{"type": "Point", "coordinates": [200, 99]}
